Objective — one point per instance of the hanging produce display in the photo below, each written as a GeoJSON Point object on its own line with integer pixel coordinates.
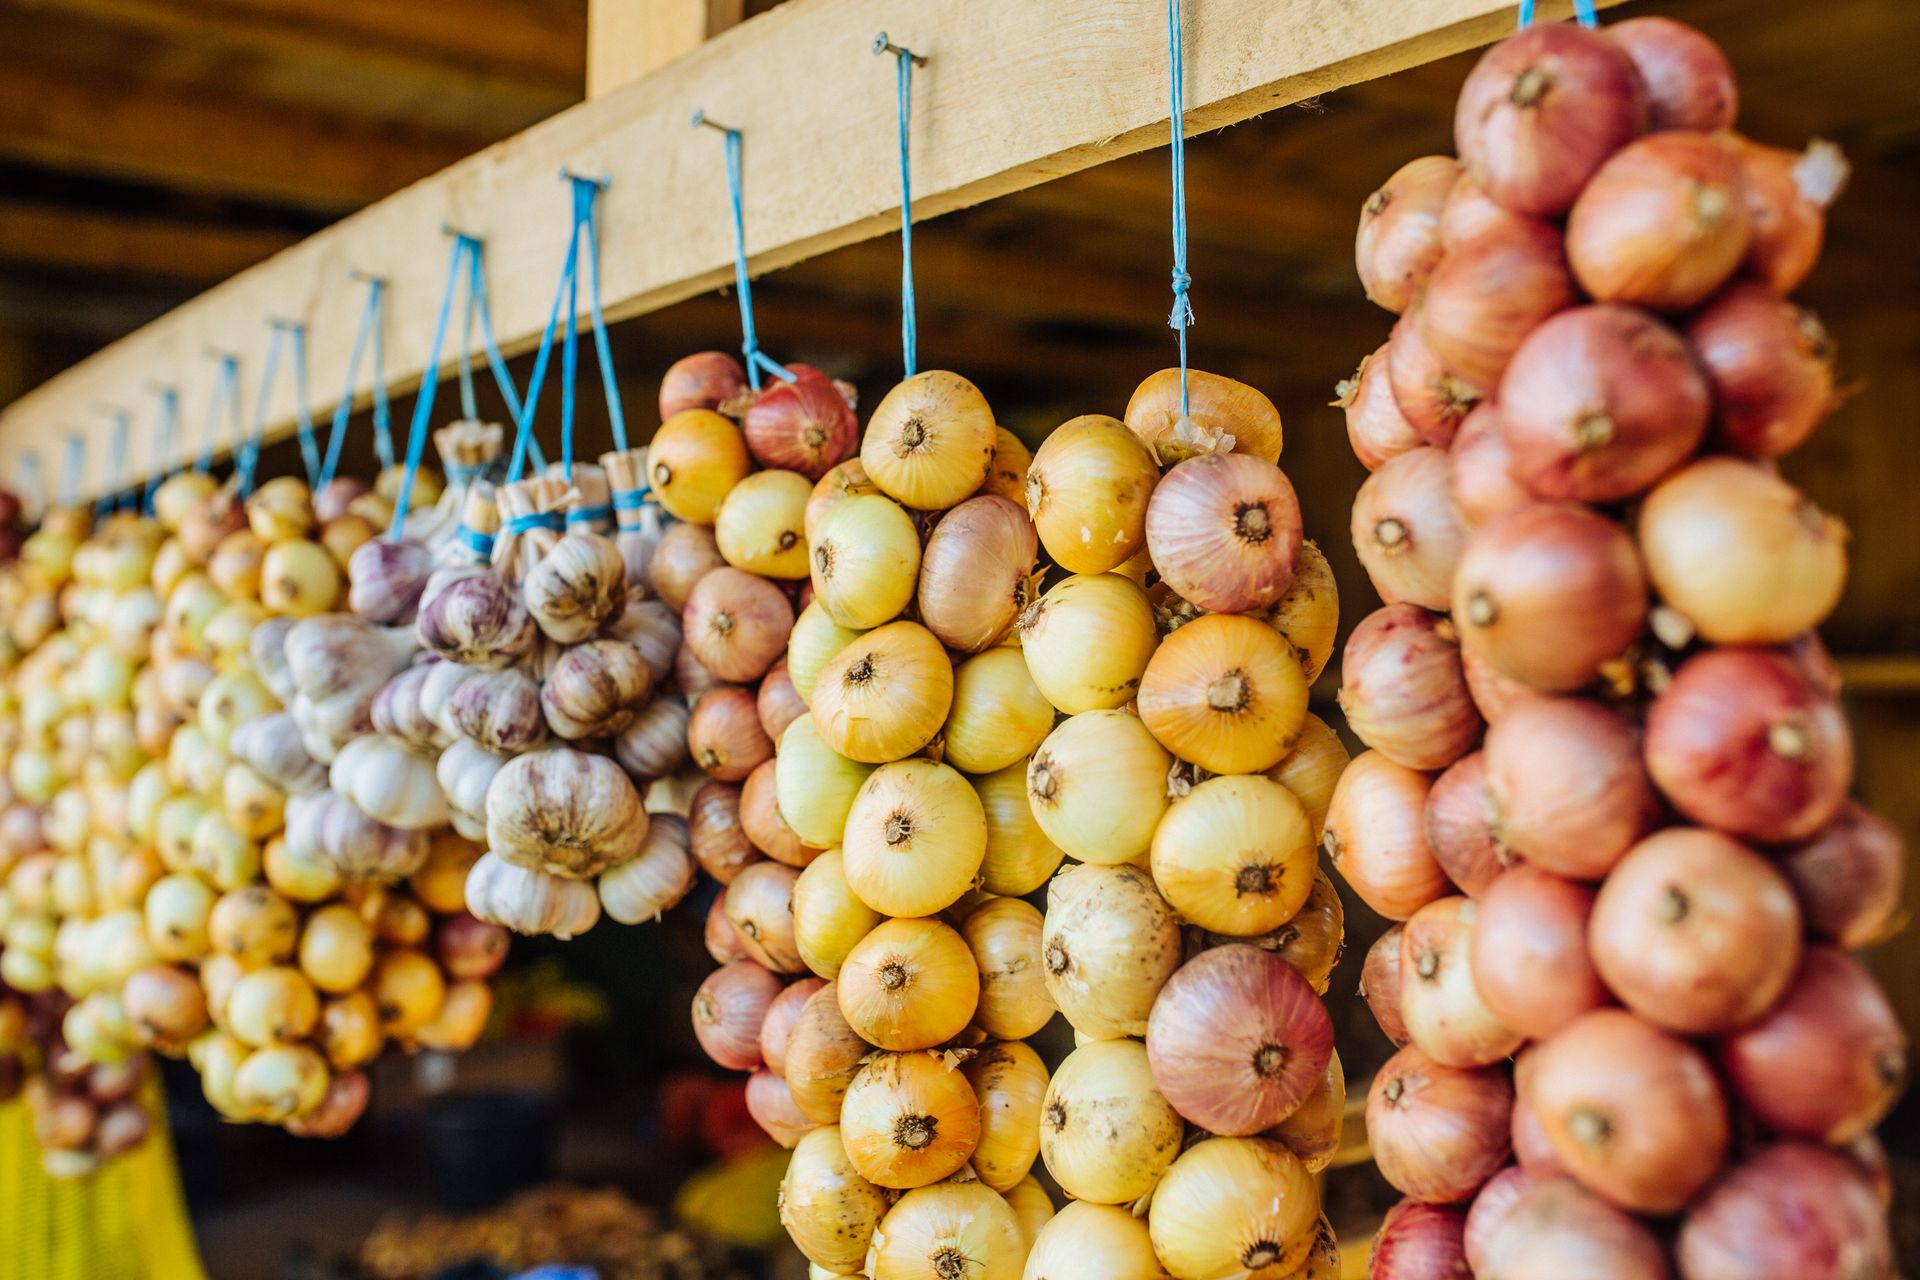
{"type": "Point", "coordinates": [1606, 790]}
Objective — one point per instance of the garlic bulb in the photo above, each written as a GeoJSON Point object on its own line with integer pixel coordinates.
{"type": "Point", "coordinates": [271, 746]}
{"type": "Point", "coordinates": [442, 681]}
{"type": "Point", "coordinates": [397, 710]}
{"type": "Point", "coordinates": [336, 654]}
{"type": "Point", "coordinates": [656, 878]}
{"type": "Point", "coordinates": [595, 688]}
{"type": "Point", "coordinates": [267, 646]}
{"type": "Point", "coordinates": [576, 586]}
{"type": "Point", "coordinates": [390, 782]}
{"type": "Point", "coordinates": [655, 743]}
{"type": "Point", "coordinates": [651, 626]}
{"type": "Point", "coordinates": [499, 710]}
{"type": "Point", "coordinates": [362, 847]}
{"type": "Point", "coordinates": [385, 578]}
{"type": "Point", "coordinates": [465, 771]}
{"type": "Point", "coordinates": [566, 812]}
{"type": "Point", "coordinates": [326, 726]}
{"type": "Point", "coordinates": [477, 621]}
{"type": "Point", "coordinates": [528, 901]}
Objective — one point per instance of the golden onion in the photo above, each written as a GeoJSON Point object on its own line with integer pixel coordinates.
{"type": "Point", "coordinates": [885, 695]}
{"type": "Point", "coordinates": [349, 1033]}
{"type": "Point", "coordinates": [1313, 1131]}
{"type": "Point", "coordinates": [1098, 786]}
{"type": "Point", "coordinates": [909, 984]}
{"type": "Point", "coordinates": [1110, 943]}
{"type": "Point", "coordinates": [693, 461]}
{"type": "Point", "coordinates": [909, 1119]}
{"type": "Point", "coordinates": [1312, 768]}
{"type": "Point", "coordinates": [301, 873]}
{"type": "Point", "coordinates": [1004, 936]}
{"type": "Point", "coordinates": [848, 479]}
{"type": "Point", "coordinates": [915, 838]}
{"type": "Point", "coordinates": [1011, 1083]}
{"type": "Point", "coordinates": [1106, 1134]}
{"type": "Point", "coordinates": [960, 1228]}
{"type": "Point", "coordinates": [865, 561]}
{"type": "Point", "coordinates": [823, 1056]}
{"type": "Point", "coordinates": [1236, 856]}
{"type": "Point", "coordinates": [1226, 693]}
{"type": "Point", "coordinates": [272, 1005]}
{"type": "Point", "coordinates": [1235, 1207]}
{"type": "Point", "coordinates": [280, 1081]}
{"type": "Point", "coordinates": [1087, 491]}
{"type": "Point", "coordinates": [410, 989]}
{"type": "Point", "coordinates": [1088, 640]}
{"type": "Point", "coordinates": [1308, 615]}
{"type": "Point", "coordinates": [828, 917]}
{"type": "Point", "coordinates": [930, 441]}
{"type": "Point", "coordinates": [812, 644]}
{"type": "Point", "coordinates": [1031, 1204]}
{"type": "Point", "coordinates": [815, 785]}
{"type": "Point", "coordinates": [1087, 1241]}
{"type": "Point", "coordinates": [826, 1206]}
{"type": "Point", "coordinates": [759, 525]}
{"type": "Point", "coordinates": [1215, 407]}
{"type": "Point", "coordinates": [299, 578]}
{"type": "Point", "coordinates": [998, 716]}
{"type": "Point", "coordinates": [1019, 857]}
{"type": "Point", "coordinates": [1007, 474]}
{"type": "Point", "coordinates": [336, 949]}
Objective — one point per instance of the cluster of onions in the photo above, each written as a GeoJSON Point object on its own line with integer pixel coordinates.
{"type": "Point", "coordinates": [1606, 790]}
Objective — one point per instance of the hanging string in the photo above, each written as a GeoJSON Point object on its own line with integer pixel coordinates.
{"type": "Point", "coordinates": [29, 478]}
{"type": "Point", "coordinates": [302, 410]}
{"type": "Point", "coordinates": [109, 499]}
{"type": "Point", "coordinates": [477, 306]}
{"type": "Point", "coordinates": [905, 60]}
{"type": "Point", "coordinates": [162, 444]}
{"type": "Point", "coordinates": [76, 463]}
{"type": "Point", "coordinates": [1583, 11]}
{"type": "Point", "coordinates": [538, 377]}
{"type": "Point", "coordinates": [1182, 315]}
{"type": "Point", "coordinates": [249, 455]}
{"type": "Point", "coordinates": [226, 397]}
{"type": "Point", "coordinates": [429, 383]}
{"type": "Point", "coordinates": [368, 328]}
{"type": "Point", "coordinates": [756, 360]}
{"type": "Point", "coordinates": [602, 347]}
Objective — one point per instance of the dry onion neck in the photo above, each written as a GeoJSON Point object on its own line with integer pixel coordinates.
{"type": "Point", "coordinates": [913, 437]}
{"type": "Point", "coordinates": [950, 1264]}
{"type": "Point", "coordinates": [894, 976]}
{"type": "Point", "coordinates": [1530, 86]}
{"type": "Point", "coordinates": [899, 828]}
{"type": "Point", "coordinates": [1230, 691]}
{"type": "Point", "coordinates": [1042, 785]}
{"type": "Point", "coordinates": [1261, 1253]}
{"type": "Point", "coordinates": [1590, 1128]}
{"type": "Point", "coordinates": [1259, 878]}
{"type": "Point", "coordinates": [1252, 523]}
{"type": "Point", "coordinates": [1058, 962]}
{"type": "Point", "coordinates": [1593, 430]}
{"type": "Point", "coordinates": [1055, 1115]}
{"type": "Point", "coordinates": [1269, 1060]}
{"type": "Point", "coordinates": [915, 1132]}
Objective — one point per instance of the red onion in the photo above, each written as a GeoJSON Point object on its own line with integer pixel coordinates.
{"type": "Point", "coordinates": [1548, 594]}
{"type": "Point", "coordinates": [727, 1012]}
{"type": "Point", "coordinates": [772, 1107]}
{"type": "Point", "coordinates": [760, 818]}
{"type": "Point", "coordinates": [1632, 1112]}
{"type": "Point", "coordinates": [1237, 1040]}
{"type": "Point", "coordinates": [1529, 957]}
{"type": "Point", "coordinates": [1403, 691]}
{"type": "Point", "coordinates": [760, 907]}
{"type": "Point", "coordinates": [1373, 836]}
{"type": "Point", "coordinates": [703, 380]}
{"type": "Point", "coordinates": [1431, 397]}
{"type": "Point", "coordinates": [1224, 532]}
{"type": "Point", "coordinates": [715, 835]}
{"type": "Point", "coordinates": [1490, 1208]}
{"type": "Point", "coordinates": [1689, 82]}
{"type": "Point", "coordinates": [1442, 1008]}
{"type": "Point", "coordinates": [723, 941]}
{"type": "Point", "coordinates": [778, 704]}
{"type": "Point", "coordinates": [1481, 470]}
{"type": "Point", "coordinates": [1869, 1156]}
{"type": "Point", "coordinates": [1376, 428]}
{"type": "Point", "coordinates": [1398, 243]}
{"type": "Point", "coordinates": [737, 623]}
{"type": "Point", "coordinates": [1459, 826]}
{"type": "Point", "coordinates": [469, 949]}
{"type": "Point", "coordinates": [1663, 224]}
{"type": "Point", "coordinates": [1419, 1242]}
{"type": "Point", "coordinates": [1569, 790]}
{"type": "Point", "coordinates": [1380, 981]}
{"type": "Point", "coordinates": [1556, 1231]}
{"type": "Point", "coordinates": [1788, 194]}
{"type": "Point", "coordinates": [1437, 1132]}
{"type": "Point", "coordinates": [1542, 110]}
{"type": "Point", "coordinates": [1829, 1061]}
{"type": "Point", "coordinates": [1487, 295]}
{"type": "Point", "coordinates": [690, 675]}
{"type": "Point", "coordinates": [1496, 695]}
{"type": "Point", "coordinates": [1406, 531]}
{"type": "Point", "coordinates": [1530, 1145]}
{"type": "Point", "coordinates": [1742, 741]}
{"type": "Point", "coordinates": [1770, 365]}
{"type": "Point", "coordinates": [724, 734]}
{"type": "Point", "coordinates": [686, 554]}
{"type": "Point", "coordinates": [1599, 403]}
{"type": "Point", "coordinates": [1849, 878]}
{"type": "Point", "coordinates": [1470, 214]}
{"type": "Point", "coordinates": [776, 1029]}
{"type": "Point", "coordinates": [805, 425]}
{"type": "Point", "coordinates": [1792, 1210]}
{"type": "Point", "coordinates": [1695, 932]}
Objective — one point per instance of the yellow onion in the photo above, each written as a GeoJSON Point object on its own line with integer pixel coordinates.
{"type": "Point", "coordinates": [336, 949]}
{"type": "Point", "coordinates": [1031, 1204]}
{"type": "Point", "coordinates": [1019, 857]}
{"type": "Point", "coordinates": [915, 838]}
{"type": "Point", "coordinates": [1007, 474]}
{"type": "Point", "coordinates": [1106, 1134]}
{"type": "Point", "coordinates": [1094, 1242]}
{"type": "Point", "coordinates": [179, 494]}
{"type": "Point", "coordinates": [1312, 941]}
{"type": "Point", "coordinates": [823, 1056]}
{"type": "Point", "coordinates": [909, 1119]}
{"type": "Point", "coordinates": [1242, 1207]}
{"type": "Point", "coordinates": [271, 1005]}
{"type": "Point", "coordinates": [1087, 491]}
{"type": "Point", "coordinates": [759, 524]}
{"type": "Point", "coordinates": [998, 716]}
{"type": "Point", "coordinates": [930, 441]}
{"type": "Point", "coordinates": [885, 695]}
{"type": "Point", "coordinates": [177, 910]}
{"type": "Point", "coordinates": [826, 1206]}
{"type": "Point", "coordinates": [1110, 943]}
{"type": "Point", "coordinates": [1004, 935]}
{"type": "Point", "coordinates": [462, 1018]}
{"type": "Point", "coordinates": [828, 917]}
{"type": "Point", "coordinates": [815, 639]}
{"type": "Point", "coordinates": [1312, 769]}
{"type": "Point", "coordinates": [1098, 786]}
{"type": "Point", "coordinates": [301, 873]}
{"type": "Point", "coordinates": [693, 461]}
{"type": "Point", "coordinates": [865, 561]}
{"type": "Point", "coordinates": [1011, 1083]}
{"type": "Point", "coordinates": [441, 882]}
{"type": "Point", "coordinates": [960, 1228]}
{"type": "Point", "coordinates": [251, 805]}
{"type": "Point", "coordinates": [1313, 1131]}
{"type": "Point", "coordinates": [299, 578]}
{"type": "Point", "coordinates": [1088, 640]}
{"type": "Point", "coordinates": [975, 572]}
{"type": "Point", "coordinates": [1226, 693]}
{"type": "Point", "coordinates": [253, 925]}
{"type": "Point", "coordinates": [1236, 856]}
{"type": "Point", "coordinates": [1216, 408]}
{"type": "Point", "coordinates": [815, 785]}
{"type": "Point", "coordinates": [1308, 615]}
{"type": "Point", "coordinates": [410, 990]}
{"type": "Point", "coordinates": [281, 1081]}
{"type": "Point", "coordinates": [349, 1032]}
{"type": "Point", "coordinates": [909, 984]}
{"type": "Point", "coordinates": [845, 480]}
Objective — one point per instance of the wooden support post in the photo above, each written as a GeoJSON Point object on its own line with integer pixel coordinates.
{"type": "Point", "coordinates": [628, 38]}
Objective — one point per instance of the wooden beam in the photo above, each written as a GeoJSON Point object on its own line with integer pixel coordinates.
{"type": "Point", "coordinates": [628, 38]}
{"type": "Point", "coordinates": [189, 250]}
{"type": "Point", "coordinates": [1015, 94]}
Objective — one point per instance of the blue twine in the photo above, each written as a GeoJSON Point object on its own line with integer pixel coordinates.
{"type": "Point", "coordinates": [583, 193]}
{"type": "Point", "coordinates": [904, 59]}
{"type": "Point", "coordinates": [477, 300]}
{"type": "Point", "coordinates": [109, 500]}
{"type": "Point", "coordinates": [302, 411]}
{"type": "Point", "coordinates": [632, 499]}
{"type": "Point", "coordinates": [76, 463]}
{"type": "Point", "coordinates": [369, 326]}
{"type": "Point", "coordinates": [429, 383]}
{"type": "Point", "coordinates": [479, 544]}
{"type": "Point", "coordinates": [226, 388]}
{"type": "Point", "coordinates": [162, 444]}
{"type": "Point", "coordinates": [538, 377]}
{"type": "Point", "coordinates": [1583, 11]}
{"type": "Point", "coordinates": [590, 515]}
{"type": "Point", "coordinates": [517, 525]}
{"type": "Point", "coordinates": [1182, 314]}
{"type": "Point", "coordinates": [602, 347]}
{"type": "Point", "coordinates": [756, 360]}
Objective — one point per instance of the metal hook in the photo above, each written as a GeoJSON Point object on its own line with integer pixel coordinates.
{"type": "Point", "coordinates": [448, 229]}
{"type": "Point", "coordinates": [700, 118]}
{"type": "Point", "coordinates": [602, 182]}
{"type": "Point", "coordinates": [284, 324]}
{"type": "Point", "coordinates": [883, 45]}
{"type": "Point", "coordinates": [364, 276]}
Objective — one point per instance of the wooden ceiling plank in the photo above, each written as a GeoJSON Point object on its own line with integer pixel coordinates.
{"type": "Point", "coordinates": [628, 38]}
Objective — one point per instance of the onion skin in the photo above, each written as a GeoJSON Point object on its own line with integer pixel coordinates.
{"type": "Point", "coordinates": [1689, 82]}
{"type": "Point", "coordinates": [771, 1105]}
{"type": "Point", "coordinates": [1432, 398]}
{"type": "Point", "coordinates": [1488, 294]}
{"type": "Point", "coordinates": [1529, 953]}
{"type": "Point", "coordinates": [805, 425]}
{"type": "Point", "coordinates": [1224, 532]}
{"type": "Point", "coordinates": [1495, 694]}
{"type": "Point", "coordinates": [1695, 932]}
{"type": "Point", "coordinates": [1663, 224]}
{"type": "Point", "coordinates": [776, 1029]}
{"type": "Point", "coordinates": [1216, 407]}
{"type": "Point", "coordinates": [1599, 403]}
{"type": "Point", "coordinates": [737, 624]}
{"type": "Point", "coordinates": [1632, 1112]}
{"type": "Point", "coordinates": [1458, 826]}
{"type": "Point", "coordinates": [723, 942]}
{"type": "Point", "coordinates": [703, 380]}
{"type": "Point", "coordinates": [778, 703]}
{"type": "Point", "coordinates": [1439, 1002]}
{"type": "Point", "coordinates": [1237, 1040]}
{"type": "Point", "coordinates": [1490, 1207]}
{"type": "Point", "coordinates": [1787, 196]}
{"type": "Point", "coordinates": [1376, 428]}
{"type": "Point", "coordinates": [974, 573]}
{"type": "Point", "coordinates": [725, 736]}
{"type": "Point", "coordinates": [1829, 1061]}
{"type": "Point", "coordinates": [1742, 741]}
{"type": "Point", "coordinates": [1225, 692]}
{"type": "Point", "coordinates": [1403, 689]}
{"type": "Point", "coordinates": [1087, 491]}
{"type": "Point", "coordinates": [1849, 877]}
{"type": "Point", "coordinates": [1480, 469]}
{"type": "Point", "coordinates": [1549, 593]}
{"type": "Point", "coordinates": [823, 1056]}
{"type": "Point", "coordinates": [1374, 839]}
{"type": "Point", "coordinates": [1470, 213]}
{"type": "Point", "coordinates": [1530, 1145]}
{"type": "Point", "coordinates": [715, 835]}
{"type": "Point", "coordinates": [1792, 1210]}
{"type": "Point", "coordinates": [685, 554]}
{"type": "Point", "coordinates": [1420, 1242]}
{"type": "Point", "coordinates": [1406, 530]}
{"type": "Point", "coordinates": [1770, 365]}
{"type": "Point", "coordinates": [1398, 244]}
{"type": "Point", "coordinates": [1312, 942]}
{"type": "Point", "coordinates": [1568, 787]}
{"type": "Point", "coordinates": [728, 1011]}
{"type": "Point", "coordinates": [1313, 1131]}
{"type": "Point", "coordinates": [1542, 110]}
{"type": "Point", "coordinates": [1438, 1133]}
{"type": "Point", "coordinates": [1556, 1231]}
{"type": "Point", "coordinates": [1380, 982]}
